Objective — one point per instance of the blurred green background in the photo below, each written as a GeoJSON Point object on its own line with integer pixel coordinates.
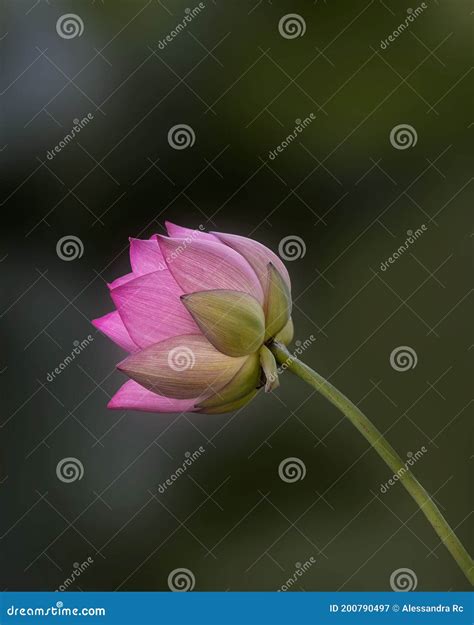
{"type": "Point", "coordinates": [342, 187]}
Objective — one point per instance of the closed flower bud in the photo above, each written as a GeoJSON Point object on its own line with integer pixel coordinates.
{"type": "Point", "coordinates": [195, 315]}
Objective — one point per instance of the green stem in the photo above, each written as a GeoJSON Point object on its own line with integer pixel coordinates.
{"type": "Point", "coordinates": [385, 451]}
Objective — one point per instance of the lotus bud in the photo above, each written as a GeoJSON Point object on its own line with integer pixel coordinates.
{"type": "Point", "coordinates": [195, 315]}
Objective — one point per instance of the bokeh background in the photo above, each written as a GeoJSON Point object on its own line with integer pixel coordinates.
{"type": "Point", "coordinates": [342, 188]}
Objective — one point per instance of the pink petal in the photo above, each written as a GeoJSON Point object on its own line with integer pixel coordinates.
{"type": "Point", "coordinates": [146, 256]}
{"type": "Point", "coordinates": [132, 396]}
{"type": "Point", "coordinates": [179, 232]}
{"type": "Point", "coordinates": [183, 367]}
{"type": "Point", "coordinates": [151, 309]}
{"type": "Point", "coordinates": [112, 326]}
{"type": "Point", "coordinates": [201, 265]}
{"type": "Point", "coordinates": [257, 255]}
{"type": "Point", "coordinates": [122, 280]}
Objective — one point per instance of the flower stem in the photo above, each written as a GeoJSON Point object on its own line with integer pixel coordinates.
{"type": "Point", "coordinates": [385, 451]}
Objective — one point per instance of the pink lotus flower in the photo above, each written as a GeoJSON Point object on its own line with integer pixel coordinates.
{"type": "Point", "coordinates": [194, 315]}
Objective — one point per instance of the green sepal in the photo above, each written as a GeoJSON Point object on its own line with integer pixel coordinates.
{"type": "Point", "coordinates": [244, 381]}
{"type": "Point", "coordinates": [278, 303]}
{"type": "Point", "coordinates": [232, 321]}
{"type": "Point", "coordinates": [286, 334]}
{"type": "Point", "coordinates": [234, 405]}
{"type": "Point", "coordinates": [270, 369]}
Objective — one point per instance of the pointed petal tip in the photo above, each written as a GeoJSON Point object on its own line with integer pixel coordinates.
{"type": "Point", "coordinates": [96, 323]}
{"type": "Point", "coordinates": [100, 322]}
{"type": "Point", "coordinates": [138, 238]}
{"type": "Point", "coordinates": [112, 326]}
{"type": "Point", "coordinates": [120, 366]}
{"type": "Point", "coordinates": [112, 404]}
{"type": "Point", "coordinates": [124, 365]}
{"type": "Point", "coordinates": [164, 242]}
{"type": "Point", "coordinates": [121, 280]}
{"type": "Point", "coordinates": [170, 225]}
{"type": "Point", "coordinates": [167, 238]}
{"type": "Point", "coordinates": [271, 384]}
{"type": "Point", "coordinates": [180, 232]}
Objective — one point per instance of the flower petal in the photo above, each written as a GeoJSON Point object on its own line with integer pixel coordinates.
{"type": "Point", "coordinates": [285, 335]}
{"type": "Point", "coordinates": [257, 255]}
{"type": "Point", "coordinates": [151, 309]}
{"type": "Point", "coordinates": [232, 321]}
{"type": "Point", "coordinates": [269, 366]}
{"type": "Point", "coordinates": [179, 232]}
{"type": "Point", "coordinates": [112, 326]}
{"type": "Point", "coordinates": [231, 406]}
{"type": "Point", "coordinates": [132, 396]}
{"type": "Point", "coordinates": [278, 303]}
{"type": "Point", "coordinates": [182, 367]}
{"type": "Point", "coordinates": [146, 256]}
{"type": "Point", "coordinates": [206, 265]}
{"type": "Point", "coordinates": [245, 381]}
{"type": "Point", "coordinates": [122, 280]}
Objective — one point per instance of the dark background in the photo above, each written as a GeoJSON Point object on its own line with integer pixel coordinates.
{"type": "Point", "coordinates": [342, 188]}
